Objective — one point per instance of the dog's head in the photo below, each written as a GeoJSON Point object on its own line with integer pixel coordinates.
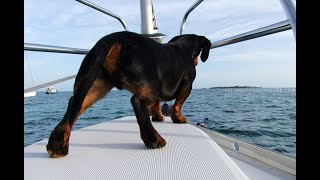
{"type": "Point", "coordinates": [195, 44]}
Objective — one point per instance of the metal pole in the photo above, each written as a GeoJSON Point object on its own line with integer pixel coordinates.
{"type": "Point", "coordinates": [57, 49]}
{"type": "Point", "coordinates": [49, 83]}
{"type": "Point", "coordinates": [146, 17]}
{"type": "Point", "coordinates": [271, 29]}
{"type": "Point", "coordinates": [96, 7]}
{"type": "Point", "coordinates": [187, 13]}
{"type": "Point", "coordinates": [290, 10]}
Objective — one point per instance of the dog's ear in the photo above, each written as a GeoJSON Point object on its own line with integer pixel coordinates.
{"type": "Point", "coordinates": [205, 45]}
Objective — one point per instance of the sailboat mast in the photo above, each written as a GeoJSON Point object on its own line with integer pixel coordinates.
{"type": "Point", "coordinates": [29, 70]}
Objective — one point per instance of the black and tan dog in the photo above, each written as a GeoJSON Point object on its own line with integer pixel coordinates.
{"type": "Point", "coordinates": [151, 71]}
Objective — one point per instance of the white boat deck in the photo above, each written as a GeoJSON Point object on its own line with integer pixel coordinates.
{"type": "Point", "coordinates": [114, 150]}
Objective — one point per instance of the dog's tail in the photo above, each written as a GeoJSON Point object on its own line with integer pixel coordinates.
{"type": "Point", "coordinates": [92, 68]}
{"type": "Point", "coordinates": [100, 58]}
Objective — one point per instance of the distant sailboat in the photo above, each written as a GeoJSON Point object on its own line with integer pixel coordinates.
{"type": "Point", "coordinates": [30, 93]}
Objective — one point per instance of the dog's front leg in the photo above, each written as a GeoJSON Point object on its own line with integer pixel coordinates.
{"type": "Point", "coordinates": [149, 135]}
{"type": "Point", "coordinates": [156, 112]}
{"type": "Point", "coordinates": [182, 95]}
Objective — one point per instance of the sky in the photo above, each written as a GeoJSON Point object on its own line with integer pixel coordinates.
{"type": "Point", "coordinates": [268, 61]}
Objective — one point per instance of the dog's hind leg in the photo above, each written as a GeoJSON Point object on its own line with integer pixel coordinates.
{"type": "Point", "coordinates": [156, 112]}
{"type": "Point", "coordinates": [149, 135]}
{"type": "Point", "coordinates": [91, 84]}
{"type": "Point", "coordinates": [182, 95]}
{"type": "Point", "coordinates": [58, 144]}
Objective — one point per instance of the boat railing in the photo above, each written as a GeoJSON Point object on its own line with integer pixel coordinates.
{"type": "Point", "coordinates": [55, 49]}
{"type": "Point", "coordinates": [287, 5]}
{"type": "Point", "coordinates": [271, 29]}
{"type": "Point", "coordinates": [96, 7]}
{"type": "Point", "coordinates": [184, 19]}
{"type": "Point", "coordinates": [49, 83]}
{"type": "Point", "coordinates": [68, 50]}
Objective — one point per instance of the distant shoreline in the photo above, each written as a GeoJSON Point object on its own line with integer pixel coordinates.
{"type": "Point", "coordinates": [229, 87]}
{"type": "Point", "coordinates": [218, 87]}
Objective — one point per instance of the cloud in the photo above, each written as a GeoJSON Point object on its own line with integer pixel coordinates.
{"type": "Point", "coordinates": [268, 56]}
{"type": "Point", "coordinates": [72, 24]}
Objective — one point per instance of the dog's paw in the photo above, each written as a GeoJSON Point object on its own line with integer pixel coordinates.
{"type": "Point", "coordinates": [57, 151]}
{"type": "Point", "coordinates": [152, 140]}
{"type": "Point", "coordinates": [158, 119]}
{"type": "Point", "coordinates": [180, 120]}
{"type": "Point", "coordinates": [58, 144]}
{"type": "Point", "coordinates": [160, 142]}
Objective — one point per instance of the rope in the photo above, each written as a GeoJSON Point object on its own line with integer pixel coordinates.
{"type": "Point", "coordinates": [29, 69]}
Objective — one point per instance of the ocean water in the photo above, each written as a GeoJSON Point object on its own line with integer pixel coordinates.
{"type": "Point", "coordinates": [264, 116]}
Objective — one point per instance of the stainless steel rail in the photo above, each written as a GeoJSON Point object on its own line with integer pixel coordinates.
{"type": "Point", "coordinates": [49, 83]}
{"type": "Point", "coordinates": [96, 7]}
{"type": "Point", "coordinates": [274, 28]}
{"type": "Point", "coordinates": [271, 29]}
{"type": "Point", "coordinates": [187, 13]}
{"type": "Point", "coordinates": [56, 49]}
{"type": "Point", "coordinates": [290, 23]}
{"type": "Point", "coordinates": [290, 10]}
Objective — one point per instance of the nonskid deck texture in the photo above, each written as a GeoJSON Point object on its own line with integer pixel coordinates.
{"type": "Point", "coordinates": [114, 150]}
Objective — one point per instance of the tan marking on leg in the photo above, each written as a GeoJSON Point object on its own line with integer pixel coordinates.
{"type": "Point", "coordinates": [176, 115]}
{"type": "Point", "coordinates": [144, 91]}
{"type": "Point", "coordinates": [195, 61]}
{"type": "Point", "coordinates": [156, 112]}
{"type": "Point", "coordinates": [97, 91]}
{"type": "Point", "coordinates": [110, 63]}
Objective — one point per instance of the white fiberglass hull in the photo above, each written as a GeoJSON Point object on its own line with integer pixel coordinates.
{"type": "Point", "coordinates": [30, 94]}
